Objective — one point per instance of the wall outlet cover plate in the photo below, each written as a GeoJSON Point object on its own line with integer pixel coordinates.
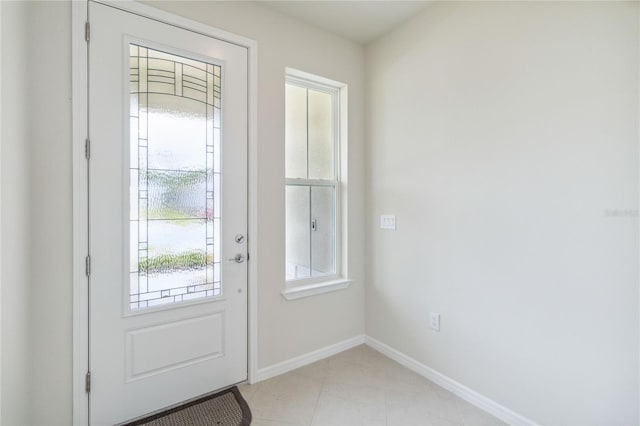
{"type": "Point", "coordinates": [388, 221]}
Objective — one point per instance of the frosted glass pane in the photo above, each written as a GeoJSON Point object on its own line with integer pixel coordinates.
{"type": "Point", "coordinates": [298, 262]}
{"type": "Point", "coordinates": [182, 240]}
{"type": "Point", "coordinates": [216, 200]}
{"type": "Point", "coordinates": [320, 136]}
{"type": "Point", "coordinates": [176, 195]}
{"type": "Point", "coordinates": [174, 137]}
{"type": "Point", "coordinates": [296, 132]}
{"type": "Point", "coordinates": [177, 133]}
{"type": "Point", "coordinates": [216, 240]}
{"type": "Point", "coordinates": [323, 231]}
{"type": "Point", "coordinates": [133, 194]}
{"type": "Point", "coordinates": [176, 261]}
{"type": "Point", "coordinates": [216, 150]}
{"type": "Point", "coordinates": [133, 246]}
{"type": "Point", "coordinates": [133, 136]}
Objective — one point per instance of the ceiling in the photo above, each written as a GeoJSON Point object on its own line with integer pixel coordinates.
{"type": "Point", "coordinates": [359, 21]}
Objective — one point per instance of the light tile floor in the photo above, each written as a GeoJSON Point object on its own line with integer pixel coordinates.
{"type": "Point", "coordinates": [358, 387]}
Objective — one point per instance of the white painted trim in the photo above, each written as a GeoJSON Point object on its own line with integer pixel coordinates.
{"type": "Point", "coordinates": [0, 214]}
{"type": "Point", "coordinates": [79, 96]}
{"type": "Point", "coordinates": [312, 80]}
{"type": "Point", "coordinates": [151, 12]}
{"type": "Point", "coordinates": [638, 94]}
{"type": "Point", "coordinates": [471, 396]}
{"type": "Point", "coordinates": [299, 292]}
{"type": "Point", "coordinates": [308, 358]}
{"type": "Point", "coordinates": [252, 240]}
{"type": "Point", "coordinates": [79, 128]}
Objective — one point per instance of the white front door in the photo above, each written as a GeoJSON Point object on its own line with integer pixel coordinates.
{"type": "Point", "coordinates": [168, 214]}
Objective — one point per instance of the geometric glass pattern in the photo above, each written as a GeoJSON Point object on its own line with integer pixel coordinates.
{"type": "Point", "coordinates": [174, 178]}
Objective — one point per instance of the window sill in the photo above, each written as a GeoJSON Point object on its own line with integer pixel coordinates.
{"type": "Point", "coordinates": [314, 289]}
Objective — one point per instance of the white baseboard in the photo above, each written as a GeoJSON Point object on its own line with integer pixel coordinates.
{"type": "Point", "coordinates": [308, 358]}
{"type": "Point", "coordinates": [471, 396]}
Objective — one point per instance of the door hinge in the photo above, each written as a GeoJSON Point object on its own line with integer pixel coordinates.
{"type": "Point", "coordinates": [87, 32]}
{"type": "Point", "coordinates": [87, 265]}
{"type": "Point", "coordinates": [87, 382]}
{"type": "Point", "coordinates": [87, 148]}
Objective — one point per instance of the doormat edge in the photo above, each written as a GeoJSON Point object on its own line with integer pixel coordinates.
{"type": "Point", "coordinates": [244, 406]}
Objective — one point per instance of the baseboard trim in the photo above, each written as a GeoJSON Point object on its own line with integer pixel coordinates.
{"type": "Point", "coordinates": [471, 396]}
{"type": "Point", "coordinates": [308, 358]}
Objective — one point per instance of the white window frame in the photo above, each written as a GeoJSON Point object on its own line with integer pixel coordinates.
{"type": "Point", "coordinates": [303, 287]}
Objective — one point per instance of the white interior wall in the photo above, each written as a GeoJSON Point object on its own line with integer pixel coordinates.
{"type": "Point", "coordinates": [504, 136]}
{"type": "Point", "coordinates": [51, 306]}
{"type": "Point", "coordinates": [16, 249]}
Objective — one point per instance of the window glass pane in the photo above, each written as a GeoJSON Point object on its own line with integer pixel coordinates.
{"type": "Point", "coordinates": [298, 232]}
{"type": "Point", "coordinates": [174, 191]}
{"type": "Point", "coordinates": [322, 230]}
{"type": "Point", "coordinates": [296, 132]}
{"type": "Point", "coordinates": [177, 130]}
{"type": "Point", "coordinates": [176, 262]}
{"type": "Point", "coordinates": [176, 195]}
{"type": "Point", "coordinates": [320, 136]}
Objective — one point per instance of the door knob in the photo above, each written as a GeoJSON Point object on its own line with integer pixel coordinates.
{"type": "Point", "coordinates": [239, 258]}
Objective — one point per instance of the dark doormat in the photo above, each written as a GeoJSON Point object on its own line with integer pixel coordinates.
{"type": "Point", "coordinates": [225, 408]}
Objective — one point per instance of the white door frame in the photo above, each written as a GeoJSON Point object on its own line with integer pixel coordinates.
{"type": "Point", "coordinates": [80, 219]}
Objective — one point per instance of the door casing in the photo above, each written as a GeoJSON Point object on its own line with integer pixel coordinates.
{"type": "Point", "coordinates": [80, 185]}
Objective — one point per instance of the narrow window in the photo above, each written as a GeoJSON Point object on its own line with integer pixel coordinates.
{"type": "Point", "coordinates": [312, 193]}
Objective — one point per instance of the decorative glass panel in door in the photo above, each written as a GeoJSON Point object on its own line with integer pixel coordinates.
{"type": "Point", "coordinates": [174, 184]}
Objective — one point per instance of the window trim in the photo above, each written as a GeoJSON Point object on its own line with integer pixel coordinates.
{"type": "Point", "coordinates": [303, 287]}
{"type": "Point", "coordinates": [301, 291]}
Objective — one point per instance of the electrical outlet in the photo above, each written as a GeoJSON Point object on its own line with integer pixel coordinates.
{"type": "Point", "coordinates": [388, 221]}
{"type": "Point", "coordinates": [434, 321]}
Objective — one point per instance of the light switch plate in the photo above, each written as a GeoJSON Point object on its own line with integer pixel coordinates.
{"type": "Point", "coordinates": [434, 321]}
{"type": "Point", "coordinates": [388, 221]}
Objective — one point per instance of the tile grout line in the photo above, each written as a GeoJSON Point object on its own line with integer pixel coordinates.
{"type": "Point", "coordinates": [454, 414]}
{"type": "Point", "coordinates": [386, 389]}
{"type": "Point", "coordinates": [386, 407]}
{"type": "Point", "coordinates": [315, 407]}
